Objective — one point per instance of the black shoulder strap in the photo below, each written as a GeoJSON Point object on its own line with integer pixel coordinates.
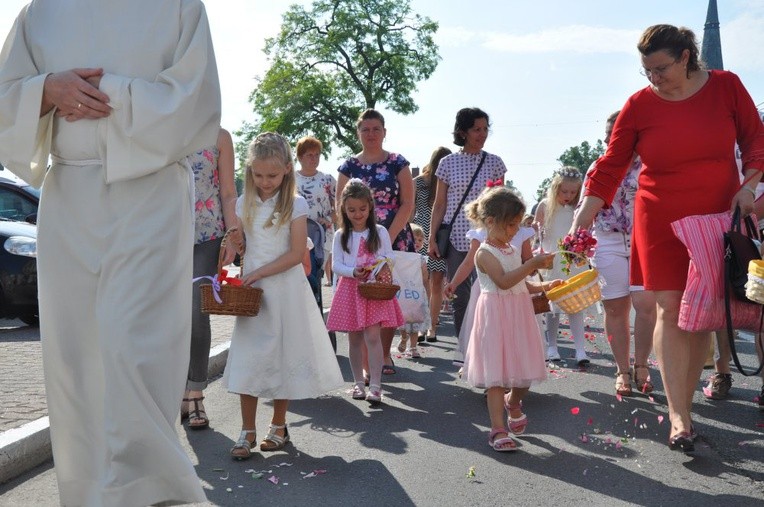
{"type": "Point", "coordinates": [469, 187]}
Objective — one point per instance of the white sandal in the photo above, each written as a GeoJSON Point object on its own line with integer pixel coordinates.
{"type": "Point", "coordinates": [243, 444]}
{"type": "Point", "coordinates": [273, 438]}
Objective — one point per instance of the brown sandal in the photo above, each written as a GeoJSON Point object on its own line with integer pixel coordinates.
{"type": "Point", "coordinates": [197, 417]}
{"type": "Point", "coordinates": [643, 384]}
{"type": "Point", "coordinates": [623, 388]}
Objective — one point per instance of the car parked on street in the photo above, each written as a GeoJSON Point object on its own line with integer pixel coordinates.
{"type": "Point", "coordinates": [18, 201]}
{"type": "Point", "coordinates": [18, 271]}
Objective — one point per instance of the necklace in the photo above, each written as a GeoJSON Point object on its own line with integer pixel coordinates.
{"type": "Point", "coordinates": [504, 248]}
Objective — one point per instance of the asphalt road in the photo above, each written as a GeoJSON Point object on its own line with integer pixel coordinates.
{"type": "Point", "coordinates": [427, 445]}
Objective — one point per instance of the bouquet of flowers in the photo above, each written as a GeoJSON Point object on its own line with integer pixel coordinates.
{"type": "Point", "coordinates": [575, 248]}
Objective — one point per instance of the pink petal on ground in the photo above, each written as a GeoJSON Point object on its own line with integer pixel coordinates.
{"type": "Point", "coordinates": [636, 421]}
{"type": "Point", "coordinates": [618, 397]}
{"type": "Point", "coordinates": [575, 410]}
{"type": "Point", "coordinates": [273, 479]}
{"type": "Point", "coordinates": [756, 399]}
{"type": "Point", "coordinates": [590, 421]}
{"type": "Point", "coordinates": [660, 419]}
{"type": "Point", "coordinates": [651, 399]}
{"type": "Point", "coordinates": [618, 445]}
{"type": "Point", "coordinates": [583, 438]}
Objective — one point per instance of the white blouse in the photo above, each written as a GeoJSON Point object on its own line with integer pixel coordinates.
{"type": "Point", "coordinates": [344, 263]}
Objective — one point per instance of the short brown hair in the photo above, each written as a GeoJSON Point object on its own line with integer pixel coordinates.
{"type": "Point", "coordinates": [308, 143]}
{"type": "Point", "coordinates": [674, 40]}
{"type": "Point", "coordinates": [370, 114]}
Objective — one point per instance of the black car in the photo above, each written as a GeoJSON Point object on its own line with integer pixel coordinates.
{"type": "Point", "coordinates": [18, 201]}
{"type": "Point", "coordinates": [18, 271]}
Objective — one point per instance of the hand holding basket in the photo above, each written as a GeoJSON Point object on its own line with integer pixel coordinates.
{"type": "Point", "coordinates": [227, 296]}
{"type": "Point", "coordinates": [381, 287]}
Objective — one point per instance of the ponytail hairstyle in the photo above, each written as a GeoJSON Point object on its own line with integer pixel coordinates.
{"type": "Point", "coordinates": [563, 175]}
{"type": "Point", "coordinates": [428, 171]}
{"type": "Point", "coordinates": [266, 146]}
{"type": "Point", "coordinates": [499, 203]}
{"type": "Point", "coordinates": [357, 189]}
{"type": "Point", "coordinates": [674, 40]}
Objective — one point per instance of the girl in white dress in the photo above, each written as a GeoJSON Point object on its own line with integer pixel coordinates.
{"type": "Point", "coordinates": [504, 350]}
{"type": "Point", "coordinates": [283, 353]}
{"type": "Point", "coordinates": [521, 241]}
{"type": "Point", "coordinates": [554, 217]}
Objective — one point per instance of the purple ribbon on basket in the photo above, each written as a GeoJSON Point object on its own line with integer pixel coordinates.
{"type": "Point", "coordinates": [215, 286]}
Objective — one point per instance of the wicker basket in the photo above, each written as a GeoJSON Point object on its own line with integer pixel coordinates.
{"type": "Point", "coordinates": [238, 300]}
{"type": "Point", "coordinates": [378, 291]}
{"type": "Point", "coordinates": [577, 293]}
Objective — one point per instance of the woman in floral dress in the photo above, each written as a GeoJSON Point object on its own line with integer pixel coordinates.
{"type": "Point", "coordinates": [389, 177]}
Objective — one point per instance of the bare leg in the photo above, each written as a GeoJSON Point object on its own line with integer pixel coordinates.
{"type": "Point", "coordinates": [722, 362]}
{"type": "Point", "coordinates": [644, 324]}
{"type": "Point", "coordinates": [387, 334]}
{"type": "Point", "coordinates": [356, 348]}
{"type": "Point", "coordinates": [436, 300]}
{"type": "Point", "coordinates": [375, 350]}
{"type": "Point", "coordinates": [681, 355]}
{"type": "Point", "coordinates": [618, 333]}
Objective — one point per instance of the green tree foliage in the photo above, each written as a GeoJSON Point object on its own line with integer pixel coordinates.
{"type": "Point", "coordinates": [580, 157]}
{"type": "Point", "coordinates": [333, 60]}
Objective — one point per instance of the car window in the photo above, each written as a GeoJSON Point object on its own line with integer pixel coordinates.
{"type": "Point", "coordinates": [15, 206]}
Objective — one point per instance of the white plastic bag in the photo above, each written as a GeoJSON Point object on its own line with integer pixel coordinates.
{"type": "Point", "coordinates": [412, 298]}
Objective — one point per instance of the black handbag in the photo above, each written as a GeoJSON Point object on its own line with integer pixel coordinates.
{"type": "Point", "coordinates": [739, 250]}
{"type": "Point", "coordinates": [443, 234]}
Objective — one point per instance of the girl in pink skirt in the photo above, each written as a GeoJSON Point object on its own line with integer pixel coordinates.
{"type": "Point", "coordinates": [504, 351]}
{"type": "Point", "coordinates": [359, 246]}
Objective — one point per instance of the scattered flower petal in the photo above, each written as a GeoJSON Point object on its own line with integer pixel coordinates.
{"type": "Point", "coordinates": [471, 473]}
{"type": "Point", "coordinates": [660, 419]}
{"type": "Point", "coordinates": [590, 421]}
{"type": "Point", "coordinates": [583, 438]}
{"type": "Point", "coordinates": [618, 397]}
{"type": "Point", "coordinates": [273, 479]}
{"type": "Point", "coordinates": [618, 445]}
{"type": "Point", "coordinates": [226, 477]}
{"type": "Point", "coordinates": [575, 410]}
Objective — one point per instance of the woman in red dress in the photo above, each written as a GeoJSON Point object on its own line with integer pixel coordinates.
{"type": "Point", "coordinates": [684, 127]}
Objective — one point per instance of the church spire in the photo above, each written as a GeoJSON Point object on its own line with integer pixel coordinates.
{"type": "Point", "coordinates": [711, 50]}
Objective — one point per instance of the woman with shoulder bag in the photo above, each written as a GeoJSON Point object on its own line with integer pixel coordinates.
{"type": "Point", "coordinates": [461, 177]}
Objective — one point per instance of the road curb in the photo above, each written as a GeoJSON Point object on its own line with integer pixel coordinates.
{"type": "Point", "coordinates": [25, 447]}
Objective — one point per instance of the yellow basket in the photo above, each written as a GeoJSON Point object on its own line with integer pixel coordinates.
{"type": "Point", "coordinates": [577, 293]}
{"type": "Point", "coordinates": [756, 268]}
{"type": "Point", "coordinates": [754, 287]}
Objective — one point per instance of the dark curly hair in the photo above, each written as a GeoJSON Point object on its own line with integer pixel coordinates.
{"type": "Point", "coordinates": [465, 120]}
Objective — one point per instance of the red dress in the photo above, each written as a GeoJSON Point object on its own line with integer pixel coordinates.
{"type": "Point", "coordinates": [687, 149]}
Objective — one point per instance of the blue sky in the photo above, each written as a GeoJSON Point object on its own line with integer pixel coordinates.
{"type": "Point", "coordinates": [548, 72]}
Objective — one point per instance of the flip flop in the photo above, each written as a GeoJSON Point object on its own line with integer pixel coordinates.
{"type": "Point", "coordinates": [388, 369]}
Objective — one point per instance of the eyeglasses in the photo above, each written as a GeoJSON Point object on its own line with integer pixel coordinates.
{"type": "Point", "coordinates": [657, 71]}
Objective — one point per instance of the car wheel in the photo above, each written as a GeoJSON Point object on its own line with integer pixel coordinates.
{"type": "Point", "coordinates": [30, 320]}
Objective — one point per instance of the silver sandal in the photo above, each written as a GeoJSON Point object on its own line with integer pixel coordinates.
{"type": "Point", "coordinates": [243, 444]}
{"type": "Point", "coordinates": [273, 438]}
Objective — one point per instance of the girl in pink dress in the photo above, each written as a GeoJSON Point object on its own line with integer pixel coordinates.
{"type": "Point", "coordinates": [358, 246]}
{"type": "Point", "coordinates": [505, 350]}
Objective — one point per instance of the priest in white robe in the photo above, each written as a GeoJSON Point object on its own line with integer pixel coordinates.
{"type": "Point", "coordinates": [116, 93]}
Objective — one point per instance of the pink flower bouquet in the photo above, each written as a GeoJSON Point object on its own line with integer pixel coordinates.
{"type": "Point", "coordinates": [576, 248]}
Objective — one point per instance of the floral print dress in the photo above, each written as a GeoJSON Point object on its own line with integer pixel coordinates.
{"type": "Point", "coordinates": [208, 209]}
{"type": "Point", "coordinates": [382, 178]}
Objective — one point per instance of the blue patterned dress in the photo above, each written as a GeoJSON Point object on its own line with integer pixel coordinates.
{"type": "Point", "coordinates": [382, 178]}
